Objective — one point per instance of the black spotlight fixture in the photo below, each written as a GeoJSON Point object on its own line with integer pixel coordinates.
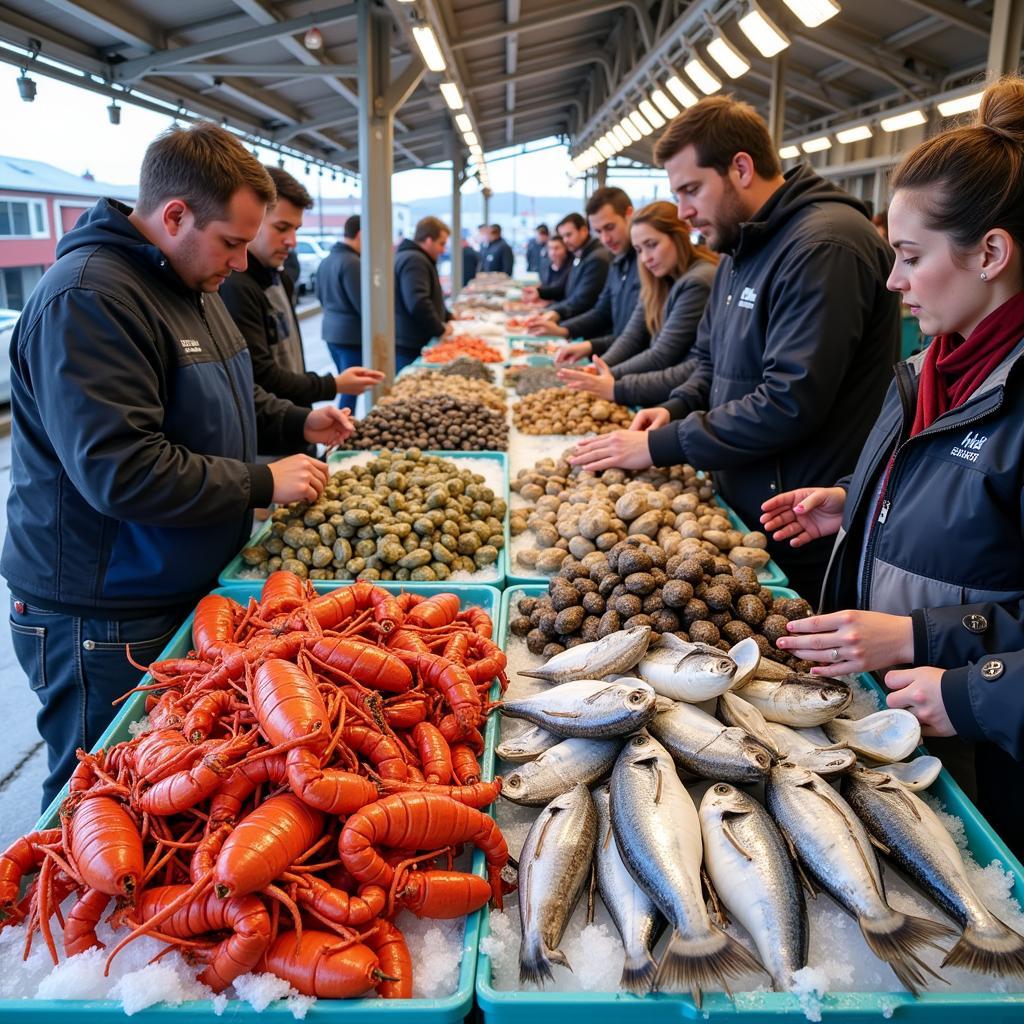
{"type": "Point", "coordinates": [26, 87]}
{"type": "Point", "coordinates": [114, 112]}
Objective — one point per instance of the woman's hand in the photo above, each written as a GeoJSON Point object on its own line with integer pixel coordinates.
{"type": "Point", "coordinates": [627, 449]}
{"type": "Point", "coordinates": [919, 691]}
{"type": "Point", "coordinates": [597, 379]}
{"type": "Point", "coordinates": [328, 425]}
{"type": "Point", "coordinates": [573, 352]}
{"type": "Point", "coordinates": [530, 294]}
{"type": "Point", "coordinates": [803, 515]}
{"type": "Point", "coordinates": [651, 419]}
{"type": "Point", "coordinates": [356, 379]}
{"type": "Point", "coordinates": [851, 641]}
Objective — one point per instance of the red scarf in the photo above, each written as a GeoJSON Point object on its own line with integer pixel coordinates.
{"type": "Point", "coordinates": [953, 369]}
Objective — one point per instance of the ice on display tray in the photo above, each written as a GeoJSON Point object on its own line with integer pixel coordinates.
{"type": "Point", "coordinates": [492, 466]}
{"type": "Point", "coordinates": [865, 988]}
{"type": "Point", "coordinates": [445, 950]}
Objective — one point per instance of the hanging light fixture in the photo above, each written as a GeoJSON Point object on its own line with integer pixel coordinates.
{"type": "Point", "coordinates": [630, 129]}
{"type": "Point", "coordinates": [817, 145]}
{"type": "Point", "coordinates": [464, 123]}
{"type": "Point", "coordinates": [114, 112]}
{"type": "Point", "coordinates": [640, 123]}
{"type": "Point", "coordinates": [813, 12]}
{"type": "Point", "coordinates": [430, 49]}
{"type": "Point", "coordinates": [683, 93]}
{"type": "Point", "coordinates": [857, 134]}
{"type": "Point", "coordinates": [26, 87]}
{"type": "Point", "coordinates": [727, 57]}
{"type": "Point", "coordinates": [763, 32]}
{"type": "Point", "coordinates": [896, 123]}
{"type": "Point", "coordinates": [619, 132]}
{"type": "Point", "coordinates": [653, 117]}
{"type": "Point", "coordinates": [789, 152]}
{"type": "Point", "coordinates": [313, 39]}
{"type": "Point", "coordinates": [663, 103]}
{"type": "Point", "coordinates": [961, 105]}
{"type": "Point", "coordinates": [704, 78]}
{"type": "Point", "coordinates": [452, 96]}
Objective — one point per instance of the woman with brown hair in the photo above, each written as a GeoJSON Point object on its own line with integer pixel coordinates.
{"type": "Point", "coordinates": [648, 359]}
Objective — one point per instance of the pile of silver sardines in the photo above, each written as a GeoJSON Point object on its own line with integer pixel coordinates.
{"type": "Point", "coordinates": [603, 752]}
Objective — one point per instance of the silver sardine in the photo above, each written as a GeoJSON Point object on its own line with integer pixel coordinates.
{"type": "Point", "coordinates": [617, 652]}
{"type": "Point", "coordinates": [559, 769]}
{"type": "Point", "coordinates": [589, 708]}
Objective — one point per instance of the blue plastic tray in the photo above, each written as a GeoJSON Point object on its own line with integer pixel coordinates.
{"type": "Point", "coordinates": [232, 572]}
{"type": "Point", "coordinates": [506, 1007]}
{"type": "Point", "coordinates": [771, 575]}
{"type": "Point", "coordinates": [448, 1010]}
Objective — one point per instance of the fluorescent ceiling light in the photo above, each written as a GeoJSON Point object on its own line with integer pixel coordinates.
{"type": "Point", "coordinates": [613, 141]}
{"type": "Point", "coordinates": [763, 32]}
{"type": "Point", "coordinates": [817, 145]}
{"type": "Point", "coordinates": [858, 134]}
{"type": "Point", "coordinates": [961, 105]}
{"type": "Point", "coordinates": [605, 150]}
{"type": "Point", "coordinates": [789, 152]}
{"type": "Point", "coordinates": [640, 123]}
{"type": "Point", "coordinates": [450, 92]}
{"type": "Point", "coordinates": [664, 104]}
{"type": "Point", "coordinates": [702, 76]}
{"type": "Point", "coordinates": [630, 129]}
{"type": "Point", "coordinates": [653, 117]}
{"type": "Point", "coordinates": [471, 139]}
{"type": "Point", "coordinates": [813, 12]}
{"type": "Point", "coordinates": [682, 93]}
{"type": "Point", "coordinates": [429, 48]}
{"type": "Point", "coordinates": [464, 123]}
{"type": "Point", "coordinates": [727, 57]}
{"type": "Point", "coordinates": [621, 135]}
{"type": "Point", "coordinates": [898, 122]}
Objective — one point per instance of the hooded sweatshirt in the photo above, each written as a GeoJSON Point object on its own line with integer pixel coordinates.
{"type": "Point", "coordinates": [135, 431]}
{"type": "Point", "coordinates": [793, 356]}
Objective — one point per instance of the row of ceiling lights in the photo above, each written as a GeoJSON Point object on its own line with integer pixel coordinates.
{"type": "Point", "coordinates": [430, 51]}
{"type": "Point", "coordinates": [651, 113]}
{"type": "Point", "coordinates": [891, 123]}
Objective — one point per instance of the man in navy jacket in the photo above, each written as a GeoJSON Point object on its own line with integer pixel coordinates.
{"type": "Point", "coordinates": [498, 258]}
{"type": "Point", "coordinates": [136, 424]}
{"type": "Point", "coordinates": [420, 312]}
{"type": "Point", "coordinates": [587, 272]}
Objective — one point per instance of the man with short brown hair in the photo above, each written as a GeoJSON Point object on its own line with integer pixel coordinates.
{"type": "Point", "coordinates": [420, 312]}
{"type": "Point", "coordinates": [796, 347]}
{"type": "Point", "coordinates": [261, 307]}
{"type": "Point", "coordinates": [136, 424]}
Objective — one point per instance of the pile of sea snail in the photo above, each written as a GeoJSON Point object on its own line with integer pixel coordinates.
{"type": "Point", "coordinates": [442, 422]}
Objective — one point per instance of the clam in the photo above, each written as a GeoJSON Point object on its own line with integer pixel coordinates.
{"type": "Point", "coordinates": [811, 749]}
{"type": "Point", "coordinates": [747, 656]}
{"type": "Point", "coordinates": [917, 774]}
{"type": "Point", "coordinates": [889, 735]}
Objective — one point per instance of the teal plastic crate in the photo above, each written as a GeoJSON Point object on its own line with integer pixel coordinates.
{"type": "Point", "coordinates": [771, 575]}
{"type": "Point", "coordinates": [506, 1007]}
{"type": "Point", "coordinates": [234, 570]}
{"type": "Point", "coordinates": [451, 1009]}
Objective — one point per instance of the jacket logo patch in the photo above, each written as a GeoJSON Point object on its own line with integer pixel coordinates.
{"type": "Point", "coordinates": [969, 447]}
{"type": "Point", "coordinates": [190, 346]}
{"type": "Point", "coordinates": [748, 298]}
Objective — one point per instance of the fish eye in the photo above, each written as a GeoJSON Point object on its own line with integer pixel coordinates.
{"type": "Point", "coordinates": [722, 789]}
{"type": "Point", "coordinates": [636, 697]}
{"type": "Point", "coordinates": [639, 741]}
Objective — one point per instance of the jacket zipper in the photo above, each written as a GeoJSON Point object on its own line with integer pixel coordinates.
{"type": "Point", "coordinates": [883, 513]}
{"type": "Point", "coordinates": [224, 364]}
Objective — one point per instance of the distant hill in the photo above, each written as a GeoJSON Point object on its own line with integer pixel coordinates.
{"type": "Point", "coordinates": [501, 206]}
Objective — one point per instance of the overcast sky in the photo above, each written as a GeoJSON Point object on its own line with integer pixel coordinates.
{"type": "Point", "coordinates": [68, 127]}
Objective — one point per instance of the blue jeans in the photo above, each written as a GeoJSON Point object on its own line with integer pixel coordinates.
{"type": "Point", "coordinates": [345, 357]}
{"type": "Point", "coordinates": [77, 667]}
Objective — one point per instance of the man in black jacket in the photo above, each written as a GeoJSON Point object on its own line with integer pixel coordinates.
{"type": "Point", "coordinates": [135, 429]}
{"type": "Point", "coordinates": [420, 312]}
{"type": "Point", "coordinates": [339, 283]}
{"type": "Point", "coordinates": [259, 304]}
{"type": "Point", "coordinates": [587, 274]}
{"type": "Point", "coordinates": [536, 248]}
{"type": "Point", "coordinates": [498, 259]}
{"type": "Point", "coordinates": [797, 344]}
{"type": "Point", "coordinates": [609, 212]}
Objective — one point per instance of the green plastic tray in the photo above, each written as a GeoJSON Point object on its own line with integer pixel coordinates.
{"type": "Point", "coordinates": [451, 1009]}
{"type": "Point", "coordinates": [506, 1007]}
{"type": "Point", "coordinates": [233, 571]}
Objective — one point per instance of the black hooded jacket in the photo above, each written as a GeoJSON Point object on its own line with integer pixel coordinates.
{"type": "Point", "coordinates": [793, 356]}
{"type": "Point", "coordinates": [420, 312]}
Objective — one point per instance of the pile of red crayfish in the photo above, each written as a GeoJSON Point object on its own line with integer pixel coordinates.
{"type": "Point", "coordinates": [306, 767]}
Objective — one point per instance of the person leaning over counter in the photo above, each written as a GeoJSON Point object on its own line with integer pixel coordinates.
{"type": "Point", "coordinates": [556, 267]}
{"type": "Point", "coordinates": [651, 356]}
{"type": "Point", "coordinates": [609, 211]}
{"type": "Point", "coordinates": [928, 565]}
{"type": "Point", "coordinates": [797, 344]}
{"type": "Point", "coordinates": [136, 424]}
{"type": "Point", "coordinates": [587, 271]}
{"type": "Point", "coordinates": [420, 312]}
{"type": "Point", "coordinates": [259, 305]}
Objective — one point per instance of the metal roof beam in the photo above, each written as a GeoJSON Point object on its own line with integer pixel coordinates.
{"type": "Point", "coordinates": [113, 19]}
{"type": "Point", "coordinates": [524, 113]}
{"type": "Point", "coordinates": [262, 70]}
{"type": "Point", "coordinates": [569, 12]}
{"type": "Point", "coordinates": [555, 66]}
{"type": "Point", "coordinates": [957, 14]}
{"type": "Point", "coordinates": [154, 62]}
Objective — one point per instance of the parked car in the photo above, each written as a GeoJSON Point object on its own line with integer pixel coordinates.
{"type": "Point", "coordinates": [310, 254]}
{"type": "Point", "coordinates": [8, 318]}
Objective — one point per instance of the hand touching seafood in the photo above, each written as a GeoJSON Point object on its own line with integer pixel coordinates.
{"type": "Point", "coordinates": [851, 641]}
{"type": "Point", "coordinates": [919, 691]}
{"type": "Point", "coordinates": [597, 379]}
{"type": "Point", "coordinates": [803, 515]}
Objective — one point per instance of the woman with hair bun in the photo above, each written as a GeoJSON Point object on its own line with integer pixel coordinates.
{"type": "Point", "coordinates": [928, 566]}
{"type": "Point", "coordinates": [648, 359]}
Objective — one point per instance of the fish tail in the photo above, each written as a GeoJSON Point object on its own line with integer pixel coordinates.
{"type": "Point", "coordinates": [534, 675]}
{"type": "Point", "coordinates": [996, 950]}
{"type": "Point", "coordinates": [696, 963]}
{"type": "Point", "coordinates": [897, 938]}
{"type": "Point", "coordinates": [535, 963]}
{"type": "Point", "coordinates": [638, 973]}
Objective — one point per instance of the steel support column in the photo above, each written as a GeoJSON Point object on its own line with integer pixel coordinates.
{"type": "Point", "coordinates": [456, 224]}
{"type": "Point", "coordinates": [487, 206]}
{"type": "Point", "coordinates": [379, 98]}
{"type": "Point", "coordinates": [1005, 40]}
{"type": "Point", "coordinates": [602, 174]}
{"type": "Point", "coordinates": [777, 100]}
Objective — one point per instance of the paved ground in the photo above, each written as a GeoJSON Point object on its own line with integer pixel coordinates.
{"type": "Point", "coordinates": [22, 756]}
